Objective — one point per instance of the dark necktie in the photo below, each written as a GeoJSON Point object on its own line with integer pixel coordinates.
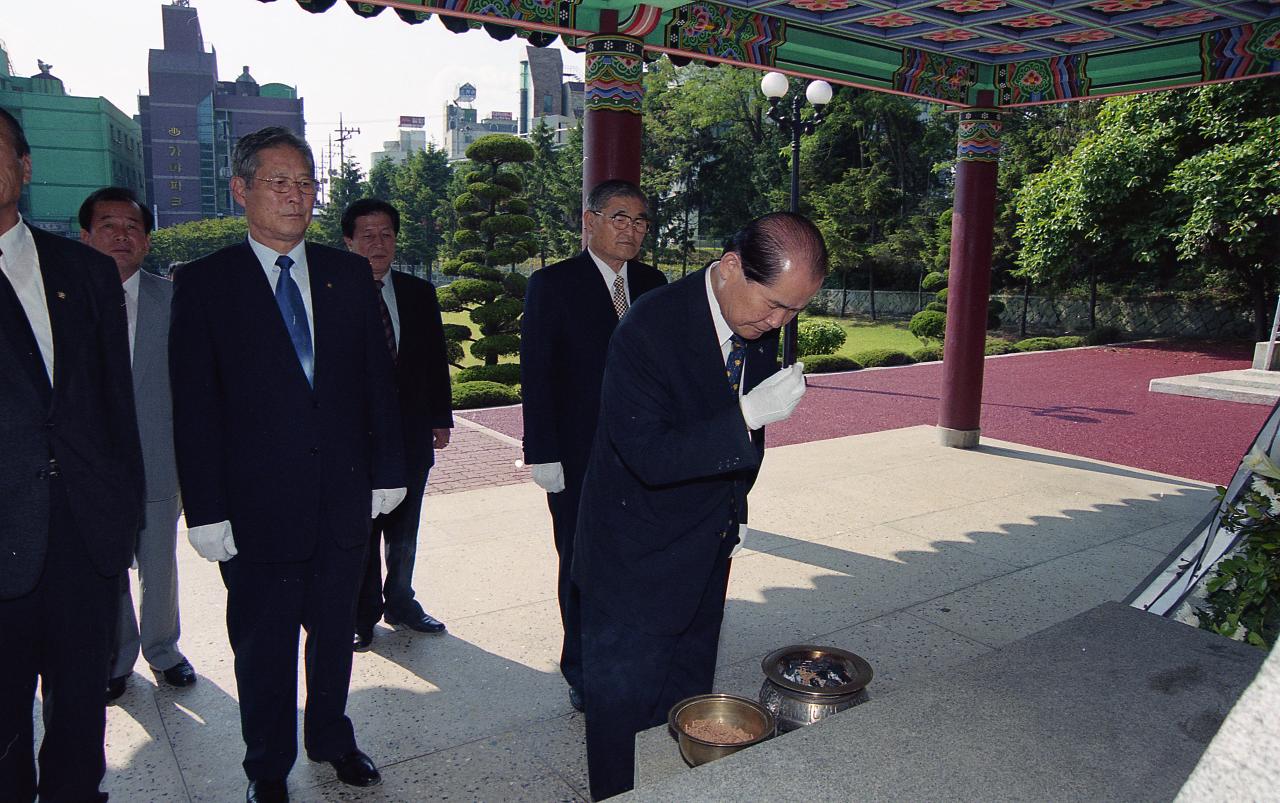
{"type": "Point", "coordinates": [733, 364]}
{"type": "Point", "coordinates": [289, 299]}
{"type": "Point", "coordinates": [388, 330]}
{"type": "Point", "coordinates": [619, 295]}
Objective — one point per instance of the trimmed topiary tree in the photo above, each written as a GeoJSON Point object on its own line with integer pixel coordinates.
{"type": "Point", "coordinates": [493, 231]}
{"type": "Point", "coordinates": [507, 373]}
{"type": "Point", "coordinates": [820, 337]}
{"type": "Point", "coordinates": [929, 325]}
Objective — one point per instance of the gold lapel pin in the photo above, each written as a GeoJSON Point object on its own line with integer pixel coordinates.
{"type": "Point", "coordinates": [329, 285]}
{"type": "Point", "coordinates": [62, 296]}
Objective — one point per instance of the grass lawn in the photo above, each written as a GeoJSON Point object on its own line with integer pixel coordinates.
{"type": "Point", "coordinates": [867, 334]}
{"type": "Point", "coordinates": [464, 318]}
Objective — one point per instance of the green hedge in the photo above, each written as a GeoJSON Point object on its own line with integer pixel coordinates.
{"type": "Point", "coordinates": [505, 373]}
{"type": "Point", "coordinates": [1037, 344]}
{"type": "Point", "coordinates": [996, 347]}
{"type": "Point", "coordinates": [927, 354]}
{"type": "Point", "coordinates": [1069, 341]}
{"type": "Point", "coordinates": [829, 363]}
{"type": "Point", "coordinates": [468, 395]}
{"type": "Point", "coordinates": [881, 358]}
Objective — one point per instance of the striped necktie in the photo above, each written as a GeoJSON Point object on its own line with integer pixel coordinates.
{"type": "Point", "coordinates": [294, 312]}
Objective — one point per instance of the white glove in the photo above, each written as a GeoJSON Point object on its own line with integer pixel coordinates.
{"type": "Point", "coordinates": [549, 476]}
{"type": "Point", "coordinates": [213, 541]}
{"type": "Point", "coordinates": [774, 399]}
{"type": "Point", "coordinates": [386, 499]}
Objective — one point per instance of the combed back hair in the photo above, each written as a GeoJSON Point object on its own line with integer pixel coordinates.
{"type": "Point", "coordinates": [768, 243]}
{"type": "Point", "coordinates": [16, 133]}
{"type": "Point", "coordinates": [604, 192]}
{"type": "Point", "coordinates": [244, 159]}
{"type": "Point", "coordinates": [123, 194]}
{"type": "Point", "coordinates": [368, 206]}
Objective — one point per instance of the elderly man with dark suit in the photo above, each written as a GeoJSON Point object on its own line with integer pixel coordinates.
{"type": "Point", "coordinates": [288, 438]}
{"type": "Point", "coordinates": [570, 311]}
{"type": "Point", "coordinates": [692, 380]}
{"type": "Point", "coordinates": [113, 221]}
{"type": "Point", "coordinates": [71, 481]}
{"type": "Point", "coordinates": [415, 339]}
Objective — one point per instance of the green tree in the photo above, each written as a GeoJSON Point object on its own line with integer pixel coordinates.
{"type": "Point", "coordinates": [345, 185]}
{"type": "Point", "coordinates": [493, 230]}
{"type": "Point", "coordinates": [418, 188]}
{"type": "Point", "coordinates": [554, 192]}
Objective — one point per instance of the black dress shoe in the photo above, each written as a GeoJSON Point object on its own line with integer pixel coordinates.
{"type": "Point", "coordinates": [357, 769]}
{"type": "Point", "coordinates": [116, 687]}
{"type": "Point", "coordinates": [179, 675]}
{"type": "Point", "coordinates": [361, 642]}
{"type": "Point", "coordinates": [575, 699]}
{"type": "Point", "coordinates": [267, 792]}
{"type": "Point", "coordinates": [423, 623]}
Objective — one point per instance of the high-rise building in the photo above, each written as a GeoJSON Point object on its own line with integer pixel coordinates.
{"type": "Point", "coordinates": [546, 97]}
{"type": "Point", "coordinates": [412, 140]}
{"type": "Point", "coordinates": [191, 121]}
{"type": "Point", "coordinates": [78, 144]}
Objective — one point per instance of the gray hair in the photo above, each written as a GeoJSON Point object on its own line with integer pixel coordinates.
{"type": "Point", "coordinates": [244, 159]}
{"type": "Point", "coordinates": [604, 192]}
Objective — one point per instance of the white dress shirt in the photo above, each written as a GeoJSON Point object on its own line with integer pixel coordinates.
{"type": "Point", "coordinates": [299, 272]}
{"type": "Point", "coordinates": [130, 286]}
{"type": "Point", "coordinates": [21, 266]}
{"type": "Point", "coordinates": [389, 296]}
{"type": "Point", "coordinates": [608, 274]}
{"type": "Point", "coordinates": [723, 331]}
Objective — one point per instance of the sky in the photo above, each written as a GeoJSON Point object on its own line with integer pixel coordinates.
{"type": "Point", "coordinates": [368, 71]}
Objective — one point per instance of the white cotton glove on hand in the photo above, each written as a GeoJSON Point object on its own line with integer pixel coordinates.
{"type": "Point", "coordinates": [213, 541]}
{"type": "Point", "coordinates": [386, 499]}
{"type": "Point", "coordinates": [774, 399]}
{"type": "Point", "coordinates": [549, 476]}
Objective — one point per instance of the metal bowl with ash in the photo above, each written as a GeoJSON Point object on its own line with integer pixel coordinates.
{"type": "Point", "coordinates": [805, 683]}
{"type": "Point", "coordinates": [712, 726]}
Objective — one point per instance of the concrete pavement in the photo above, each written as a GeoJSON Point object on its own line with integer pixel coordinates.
{"type": "Point", "coordinates": [916, 557]}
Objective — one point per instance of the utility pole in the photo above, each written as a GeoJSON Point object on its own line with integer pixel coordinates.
{"type": "Point", "coordinates": [344, 134]}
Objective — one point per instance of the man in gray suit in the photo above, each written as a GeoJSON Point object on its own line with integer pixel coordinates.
{"type": "Point", "coordinates": [115, 223]}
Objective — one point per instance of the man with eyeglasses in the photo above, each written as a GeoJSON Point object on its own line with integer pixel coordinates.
{"type": "Point", "coordinates": [288, 441]}
{"type": "Point", "coordinates": [570, 311]}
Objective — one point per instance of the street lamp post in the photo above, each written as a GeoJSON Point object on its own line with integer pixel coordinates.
{"type": "Point", "coordinates": [774, 85]}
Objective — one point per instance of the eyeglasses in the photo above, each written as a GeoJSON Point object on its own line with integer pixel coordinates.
{"type": "Point", "coordinates": [622, 221]}
{"type": "Point", "coordinates": [306, 186]}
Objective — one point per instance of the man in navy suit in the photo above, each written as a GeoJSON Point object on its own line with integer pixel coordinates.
{"type": "Point", "coordinates": [570, 311]}
{"type": "Point", "coordinates": [288, 439]}
{"type": "Point", "coordinates": [415, 339]}
{"type": "Point", "coordinates": [691, 381]}
{"type": "Point", "coordinates": [71, 481]}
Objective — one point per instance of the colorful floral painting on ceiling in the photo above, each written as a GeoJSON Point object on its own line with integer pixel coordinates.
{"type": "Point", "coordinates": [1180, 19]}
{"type": "Point", "coordinates": [1239, 52]}
{"type": "Point", "coordinates": [1038, 80]}
{"type": "Point", "coordinates": [890, 20]}
{"type": "Point", "coordinates": [730, 33]}
{"type": "Point", "coordinates": [1084, 37]}
{"type": "Point", "coordinates": [935, 76]}
{"type": "Point", "coordinates": [821, 5]}
{"type": "Point", "coordinates": [1002, 49]}
{"type": "Point", "coordinates": [953, 35]}
{"type": "Point", "coordinates": [972, 6]}
{"type": "Point", "coordinates": [1032, 21]}
{"type": "Point", "coordinates": [1124, 6]}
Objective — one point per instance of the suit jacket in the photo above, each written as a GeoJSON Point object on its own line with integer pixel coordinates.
{"type": "Point", "coordinates": [422, 369]}
{"type": "Point", "coordinates": [256, 444]}
{"type": "Point", "coordinates": [152, 395]}
{"type": "Point", "coordinates": [85, 421]}
{"type": "Point", "coordinates": [672, 461]}
{"type": "Point", "coordinates": [564, 340]}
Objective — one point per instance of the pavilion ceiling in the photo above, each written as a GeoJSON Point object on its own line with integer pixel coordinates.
{"type": "Point", "coordinates": [1020, 51]}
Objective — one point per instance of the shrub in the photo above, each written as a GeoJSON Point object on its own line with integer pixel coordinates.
{"type": "Point", "coordinates": [1036, 344]}
{"type": "Point", "coordinates": [1069, 341]}
{"type": "Point", "coordinates": [929, 324]}
{"type": "Point", "coordinates": [927, 354]}
{"type": "Point", "coordinates": [995, 347]}
{"type": "Point", "coordinates": [457, 331]}
{"type": "Point", "coordinates": [820, 337]}
{"type": "Point", "coordinates": [505, 373]}
{"type": "Point", "coordinates": [933, 281]}
{"type": "Point", "coordinates": [880, 358]}
{"type": "Point", "coordinates": [995, 306]}
{"type": "Point", "coordinates": [829, 363]}
{"type": "Point", "coordinates": [935, 306]}
{"type": "Point", "coordinates": [1103, 335]}
{"type": "Point", "coordinates": [467, 395]}
{"type": "Point", "coordinates": [941, 296]}
{"type": "Point", "coordinates": [453, 352]}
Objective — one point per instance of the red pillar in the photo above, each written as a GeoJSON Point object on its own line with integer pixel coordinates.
{"type": "Point", "coordinates": [969, 281]}
{"type": "Point", "coordinates": [615, 88]}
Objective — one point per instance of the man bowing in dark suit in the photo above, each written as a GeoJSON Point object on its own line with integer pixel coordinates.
{"type": "Point", "coordinates": [415, 339]}
{"type": "Point", "coordinates": [71, 481]}
{"type": "Point", "coordinates": [692, 380]}
{"type": "Point", "coordinates": [288, 438]}
{"type": "Point", "coordinates": [570, 311]}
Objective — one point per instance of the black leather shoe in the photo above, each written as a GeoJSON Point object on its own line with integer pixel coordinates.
{"type": "Point", "coordinates": [116, 687]}
{"type": "Point", "coordinates": [361, 642]}
{"type": "Point", "coordinates": [267, 792]}
{"type": "Point", "coordinates": [425, 623]}
{"type": "Point", "coordinates": [357, 769]}
{"type": "Point", "coordinates": [179, 675]}
{"type": "Point", "coordinates": [575, 699]}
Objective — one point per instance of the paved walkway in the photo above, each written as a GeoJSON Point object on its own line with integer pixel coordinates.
{"type": "Point", "coordinates": [916, 557]}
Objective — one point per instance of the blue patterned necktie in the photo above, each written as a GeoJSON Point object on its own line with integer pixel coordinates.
{"type": "Point", "coordinates": [733, 364]}
{"type": "Point", "coordinates": [289, 299]}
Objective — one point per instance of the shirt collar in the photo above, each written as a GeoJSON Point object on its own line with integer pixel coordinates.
{"type": "Point", "coordinates": [131, 284]}
{"type": "Point", "coordinates": [267, 256]}
{"type": "Point", "coordinates": [607, 273]}
{"type": "Point", "coordinates": [723, 331]}
{"type": "Point", "coordinates": [15, 242]}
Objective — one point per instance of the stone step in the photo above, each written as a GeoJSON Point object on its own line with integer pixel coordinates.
{"type": "Point", "coordinates": [1247, 386]}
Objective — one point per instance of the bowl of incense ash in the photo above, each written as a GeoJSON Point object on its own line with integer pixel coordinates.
{"type": "Point", "coordinates": [805, 683]}
{"type": "Point", "coordinates": [712, 726]}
